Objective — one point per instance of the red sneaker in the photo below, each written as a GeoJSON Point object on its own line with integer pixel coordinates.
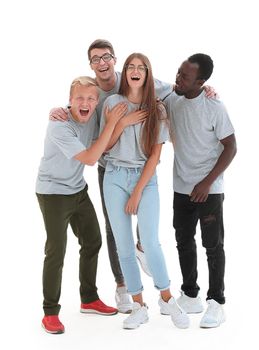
{"type": "Point", "coordinates": [52, 324]}
{"type": "Point", "coordinates": [98, 307]}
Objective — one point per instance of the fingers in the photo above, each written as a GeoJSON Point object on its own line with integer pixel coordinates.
{"type": "Point", "coordinates": [56, 117]}
{"type": "Point", "coordinates": [120, 108]}
{"type": "Point", "coordinates": [198, 197]}
{"type": "Point", "coordinates": [59, 114]}
{"type": "Point", "coordinates": [106, 111]}
{"type": "Point", "coordinates": [117, 112]}
{"type": "Point", "coordinates": [143, 116]}
{"type": "Point", "coordinates": [138, 116]}
{"type": "Point", "coordinates": [130, 209]}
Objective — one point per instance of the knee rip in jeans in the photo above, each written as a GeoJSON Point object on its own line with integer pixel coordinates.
{"type": "Point", "coordinates": [209, 219]}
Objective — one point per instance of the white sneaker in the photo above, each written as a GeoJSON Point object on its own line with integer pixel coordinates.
{"type": "Point", "coordinates": [137, 317]}
{"type": "Point", "coordinates": [142, 260]}
{"type": "Point", "coordinates": [123, 300]}
{"type": "Point", "coordinates": [213, 316]}
{"type": "Point", "coordinates": [178, 315]}
{"type": "Point", "coordinates": [190, 305]}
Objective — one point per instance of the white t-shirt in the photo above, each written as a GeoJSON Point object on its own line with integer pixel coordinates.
{"type": "Point", "coordinates": [197, 125]}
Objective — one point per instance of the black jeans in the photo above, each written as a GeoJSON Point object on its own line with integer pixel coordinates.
{"type": "Point", "coordinates": [112, 250]}
{"type": "Point", "coordinates": [210, 214]}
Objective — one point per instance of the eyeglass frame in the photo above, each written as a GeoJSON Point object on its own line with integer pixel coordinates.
{"type": "Point", "coordinates": [141, 68]}
{"type": "Point", "coordinates": [111, 56]}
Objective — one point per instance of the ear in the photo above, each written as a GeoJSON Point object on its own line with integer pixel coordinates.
{"type": "Point", "coordinates": [200, 82]}
{"type": "Point", "coordinates": [115, 60]}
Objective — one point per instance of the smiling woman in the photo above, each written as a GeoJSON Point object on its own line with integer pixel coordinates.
{"type": "Point", "coordinates": [130, 187]}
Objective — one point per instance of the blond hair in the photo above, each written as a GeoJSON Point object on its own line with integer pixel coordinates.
{"type": "Point", "coordinates": [84, 81]}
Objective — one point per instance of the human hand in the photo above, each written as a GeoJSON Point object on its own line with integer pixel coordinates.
{"type": "Point", "coordinates": [58, 113]}
{"type": "Point", "coordinates": [116, 113]}
{"type": "Point", "coordinates": [200, 192]}
{"type": "Point", "coordinates": [135, 117]}
{"type": "Point", "coordinates": [131, 207]}
{"type": "Point", "coordinates": [210, 92]}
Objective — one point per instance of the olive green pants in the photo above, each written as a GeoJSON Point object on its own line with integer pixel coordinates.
{"type": "Point", "coordinates": [58, 211]}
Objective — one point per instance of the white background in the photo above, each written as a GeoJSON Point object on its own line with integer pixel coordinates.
{"type": "Point", "coordinates": [43, 48]}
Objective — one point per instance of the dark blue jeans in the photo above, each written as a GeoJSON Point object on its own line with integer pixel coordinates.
{"type": "Point", "coordinates": [210, 214]}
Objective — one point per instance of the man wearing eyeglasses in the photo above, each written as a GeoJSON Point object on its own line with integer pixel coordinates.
{"type": "Point", "coordinates": [102, 61]}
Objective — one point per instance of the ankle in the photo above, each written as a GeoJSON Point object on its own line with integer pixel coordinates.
{"type": "Point", "coordinates": [138, 299]}
{"type": "Point", "coordinates": [122, 284]}
{"type": "Point", "coordinates": [166, 295]}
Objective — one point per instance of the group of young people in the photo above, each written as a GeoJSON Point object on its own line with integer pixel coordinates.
{"type": "Point", "coordinates": [122, 121]}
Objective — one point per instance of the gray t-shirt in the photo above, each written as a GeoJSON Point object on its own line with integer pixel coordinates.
{"type": "Point", "coordinates": [162, 91]}
{"type": "Point", "coordinates": [59, 172]}
{"type": "Point", "coordinates": [127, 151]}
{"type": "Point", "coordinates": [197, 125]}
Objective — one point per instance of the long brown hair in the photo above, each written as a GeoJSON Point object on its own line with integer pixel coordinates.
{"type": "Point", "coordinates": [148, 102]}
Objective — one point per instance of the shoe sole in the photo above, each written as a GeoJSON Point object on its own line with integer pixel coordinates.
{"type": "Point", "coordinates": [212, 325]}
{"type": "Point", "coordinates": [178, 326]}
{"type": "Point", "coordinates": [133, 325]}
{"type": "Point", "coordinates": [52, 332]}
{"type": "Point", "coordinates": [197, 311]}
{"type": "Point", "coordinates": [181, 326]}
{"type": "Point", "coordinates": [89, 311]}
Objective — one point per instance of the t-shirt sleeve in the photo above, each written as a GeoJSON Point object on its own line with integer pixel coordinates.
{"type": "Point", "coordinates": [222, 124]}
{"type": "Point", "coordinates": [65, 138]}
{"type": "Point", "coordinates": [95, 128]}
{"type": "Point", "coordinates": [103, 121]}
{"type": "Point", "coordinates": [162, 89]}
{"type": "Point", "coordinates": [169, 104]}
{"type": "Point", "coordinates": [163, 125]}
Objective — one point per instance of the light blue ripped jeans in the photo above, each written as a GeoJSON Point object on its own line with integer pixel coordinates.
{"type": "Point", "coordinates": [119, 182]}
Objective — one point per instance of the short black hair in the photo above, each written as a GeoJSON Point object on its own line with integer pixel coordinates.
{"type": "Point", "coordinates": [205, 64]}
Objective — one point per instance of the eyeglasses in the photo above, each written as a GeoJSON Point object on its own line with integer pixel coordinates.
{"type": "Point", "coordinates": [106, 57]}
{"type": "Point", "coordinates": [140, 68]}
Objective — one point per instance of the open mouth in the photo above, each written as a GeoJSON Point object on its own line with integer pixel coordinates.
{"type": "Point", "coordinates": [104, 69]}
{"type": "Point", "coordinates": [84, 112]}
{"type": "Point", "coordinates": [135, 78]}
